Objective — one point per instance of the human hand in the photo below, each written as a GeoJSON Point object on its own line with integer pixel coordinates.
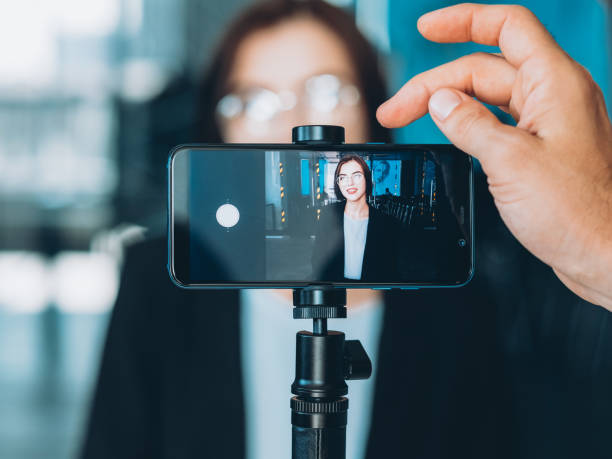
{"type": "Point", "coordinates": [551, 175]}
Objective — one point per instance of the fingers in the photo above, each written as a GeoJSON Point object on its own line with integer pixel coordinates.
{"type": "Point", "coordinates": [513, 28]}
{"type": "Point", "coordinates": [487, 76]}
{"type": "Point", "coordinates": [475, 130]}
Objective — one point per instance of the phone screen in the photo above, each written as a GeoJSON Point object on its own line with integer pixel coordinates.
{"type": "Point", "coordinates": [289, 215]}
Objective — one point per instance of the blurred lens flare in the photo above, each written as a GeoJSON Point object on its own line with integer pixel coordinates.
{"type": "Point", "coordinates": [25, 286]}
{"type": "Point", "coordinates": [262, 105]}
{"type": "Point", "coordinates": [84, 282]}
{"type": "Point", "coordinates": [323, 92]}
{"type": "Point", "coordinates": [229, 106]}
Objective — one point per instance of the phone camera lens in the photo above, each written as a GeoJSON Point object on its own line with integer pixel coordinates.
{"type": "Point", "coordinates": [461, 242]}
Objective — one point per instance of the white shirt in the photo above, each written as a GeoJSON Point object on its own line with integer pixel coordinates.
{"type": "Point", "coordinates": [355, 233]}
{"type": "Point", "coordinates": [268, 363]}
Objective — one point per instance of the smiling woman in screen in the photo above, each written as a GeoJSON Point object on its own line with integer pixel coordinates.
{"type": "Point", "coordinates": [354, 241]}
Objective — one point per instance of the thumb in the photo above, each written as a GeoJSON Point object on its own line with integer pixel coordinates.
{"type": "Point", "coordinates": [469, 125]}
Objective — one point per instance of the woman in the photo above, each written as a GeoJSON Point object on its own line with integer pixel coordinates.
{"type": "Point", "coordinates": [355, 241]}
{"type": "Point", "coordinates": [207, 373]}
{"type": "Point", "coordinates": [311, 66]}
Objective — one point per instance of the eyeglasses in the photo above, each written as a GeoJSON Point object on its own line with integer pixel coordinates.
{"type": "Point", "coordinates": [321, 93]}
{"type": "Point", "coordinates": [344, 179]}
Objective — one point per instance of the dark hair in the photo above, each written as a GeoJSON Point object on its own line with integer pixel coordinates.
{"type": "Point", "coordinates": [270, 13]}
{"type": "Point", "coordinates": [367, 175]}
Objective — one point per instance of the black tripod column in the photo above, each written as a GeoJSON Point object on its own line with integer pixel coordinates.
{"type": "Point", "coordinates": [324, 360]}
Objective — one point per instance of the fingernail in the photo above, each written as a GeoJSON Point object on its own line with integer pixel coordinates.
{"type": "Point", "coordinates": [443, 102]}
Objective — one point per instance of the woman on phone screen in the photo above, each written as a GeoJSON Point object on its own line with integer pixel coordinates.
{"type": "Point", "coordinates": [354, 241]}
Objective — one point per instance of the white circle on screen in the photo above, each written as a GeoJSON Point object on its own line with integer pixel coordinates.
{"type": "Point", "coordinates": [227, 215]}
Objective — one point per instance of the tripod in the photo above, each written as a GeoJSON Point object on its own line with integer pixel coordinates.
{"type": "Point", "coordinates": [324, 360]}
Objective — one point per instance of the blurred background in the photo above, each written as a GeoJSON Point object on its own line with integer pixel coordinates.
{"type": "Point", "coordinates": [92, 97]}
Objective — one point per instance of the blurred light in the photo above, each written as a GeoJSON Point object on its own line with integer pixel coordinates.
{"type": "Point", "coordinates": [58, 175]}
{"type": "Point", "coordinates": [142, 80]}
{"type": "Point", "coordinates": [25, 282]}
{"type": "Point", "coordinates": [27, 44]}
{"type": "Point", "coordinates": [323, 92]}
{"type": "Point", "coordinates": [90, 17]}
{"type": "Point", "coordinates": [229, 106]}
{"type": "Point", "coordinates": [30, 31]}
{"type": "Point", "coordinates": [263, 105]}
{"type": "Point", "coordinates": [84, 282]}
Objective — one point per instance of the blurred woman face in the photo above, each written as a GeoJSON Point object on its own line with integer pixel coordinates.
{"type": "Point", "coordinates": [295, 73]}
{"type": "Point", "coordinates": [351, 181]}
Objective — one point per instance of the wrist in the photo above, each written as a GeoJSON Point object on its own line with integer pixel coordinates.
{"type": "Point", "coordinates": [590, 268]}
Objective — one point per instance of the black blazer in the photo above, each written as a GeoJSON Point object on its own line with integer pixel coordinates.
{"type": "Point", "coordinates": [379, 256]}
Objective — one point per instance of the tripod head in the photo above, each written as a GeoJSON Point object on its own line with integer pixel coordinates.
{"type": "Point", "coordinates": [320, 303]}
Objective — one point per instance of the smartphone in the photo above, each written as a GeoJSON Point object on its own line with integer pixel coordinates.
{"type": "Point", "coordinates": [348, 215]}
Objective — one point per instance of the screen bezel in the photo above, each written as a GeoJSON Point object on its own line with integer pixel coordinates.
{"type": "Point", "coordinates": [180, 271]}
